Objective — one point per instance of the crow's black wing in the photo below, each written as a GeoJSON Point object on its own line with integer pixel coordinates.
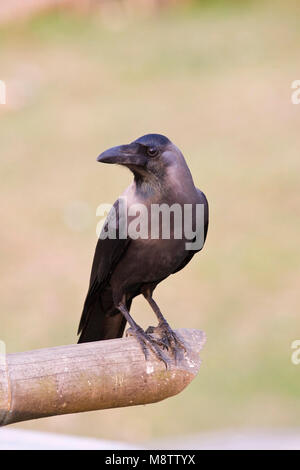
{"type": "Point", "coordinates": [95, 324]}
{"type": "Point", "coordinates": [190, 253]}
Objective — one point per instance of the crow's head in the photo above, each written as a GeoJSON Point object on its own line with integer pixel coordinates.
{"type": "Point", "coordinates": [147, 157]}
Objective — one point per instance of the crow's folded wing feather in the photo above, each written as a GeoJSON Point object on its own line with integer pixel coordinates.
{"type": "Point", "coordinates": [190, 253]}
{"type": "Point", "coordinates": [107, 254]}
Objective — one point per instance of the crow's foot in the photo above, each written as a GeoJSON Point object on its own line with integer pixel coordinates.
{"type": "Point", "coordinates": [169, 339]}
{"type": "Point", "coordinates": [147, 342]}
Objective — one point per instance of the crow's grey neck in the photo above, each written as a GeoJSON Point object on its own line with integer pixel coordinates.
{"type": "Point", "coordinates": [148, 185]}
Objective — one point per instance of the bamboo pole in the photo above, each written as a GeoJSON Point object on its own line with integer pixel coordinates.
{"type": "Point", "coordinates": [91, 376]}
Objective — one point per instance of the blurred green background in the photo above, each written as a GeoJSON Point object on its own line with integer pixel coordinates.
{"type": "Point", "coordinates": [215, 77]}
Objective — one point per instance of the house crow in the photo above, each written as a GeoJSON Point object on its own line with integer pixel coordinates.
{"type": "Point", "coordinates": [126, 265]}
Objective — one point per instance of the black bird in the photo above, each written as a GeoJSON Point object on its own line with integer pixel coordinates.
{"type": "Point", "coordinates": [125, 267]}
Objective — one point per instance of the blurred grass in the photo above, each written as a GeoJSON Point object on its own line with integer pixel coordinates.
{"type": "Point", "coordinates": [216, 80]}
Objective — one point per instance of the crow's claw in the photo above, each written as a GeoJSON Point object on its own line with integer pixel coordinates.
{"type": "Point", "coordinates": [147, 342]}
{"type": "Point", "coordinates": [168, 338]}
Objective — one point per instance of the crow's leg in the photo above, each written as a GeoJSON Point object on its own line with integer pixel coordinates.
{"type": "Point", "coordinates": [168, 336]}
{"type": "Point", "coordinates": [143, 338]}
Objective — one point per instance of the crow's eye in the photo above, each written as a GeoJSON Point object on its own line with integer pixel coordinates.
{"type": "Point", "coordinates": [152, 151]}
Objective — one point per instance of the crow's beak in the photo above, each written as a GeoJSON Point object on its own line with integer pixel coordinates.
{"type": "Point", "coordinates": [123, 155]}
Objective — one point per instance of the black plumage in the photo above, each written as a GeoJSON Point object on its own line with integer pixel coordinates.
{"type": "Point", "coordinates": [124, 267]}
